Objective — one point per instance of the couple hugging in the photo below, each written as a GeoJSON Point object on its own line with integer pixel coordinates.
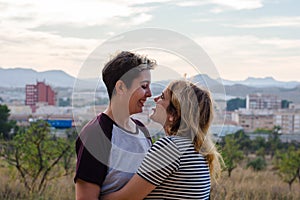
{"type": "Point", "coordinates": [115, 156]}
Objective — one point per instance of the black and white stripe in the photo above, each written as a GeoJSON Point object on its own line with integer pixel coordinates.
{"type": "Point", "coordinates": [178, 171]}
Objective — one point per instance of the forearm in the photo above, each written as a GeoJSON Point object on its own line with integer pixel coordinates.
{"type": "Point", "coordinates": [86, 190]}
{"type": "Point", "coordinates": [116, 195]}
{"type": "Point", "coordinates": [136, 189]}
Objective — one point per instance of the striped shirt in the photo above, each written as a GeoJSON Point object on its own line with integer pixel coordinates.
{"type": "Point", "coordinates": [178, 171]}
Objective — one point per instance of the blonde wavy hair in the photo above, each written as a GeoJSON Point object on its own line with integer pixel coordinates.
{"type": "Point", "coordinates": [192, 111]}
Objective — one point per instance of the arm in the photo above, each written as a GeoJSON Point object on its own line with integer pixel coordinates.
{"type": "Point", "coordinates": [86, 190]}
{"type": "Point", "coordinates": [137, 188]}
{"type": "Point", "coordinates": [160, 162]}
{"type": "Point", "coordinates": [90, 171]}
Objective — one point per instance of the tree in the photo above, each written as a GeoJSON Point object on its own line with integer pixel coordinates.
{"type": "Point", "coordinates": [6, 125]}
{"type": "Point", "coordinates": [257, 164]}
{"type": "Point", "coordinates": [234, 104]}
{"type": "Point", "coordinates": [274, 140]}
{"type": "Point", "coordinates": [262, 130]}
{"type": "Point", "coordinates": [38, 156]}
{"type": "Point", "coordinates": [64, 102]}
{"type": "Point", "coordinates": [288, 165]}
{"type": "Point", "coordinates": [231, 153]}
{"type": "Point", "coordinates": [261, 152]}
{"type": "Point", "coordinates": [258, 144]}
{"type": "Point", "coordinates": [243, 140]}
{"type": "Point", "coordinates": [285, 103]}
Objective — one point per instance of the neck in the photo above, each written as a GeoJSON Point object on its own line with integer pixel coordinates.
{"type": "Point", "coordinates": [120, 117]}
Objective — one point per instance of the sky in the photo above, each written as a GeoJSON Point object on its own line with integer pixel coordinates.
{"type": "Point", "coordinates": [243, 38]}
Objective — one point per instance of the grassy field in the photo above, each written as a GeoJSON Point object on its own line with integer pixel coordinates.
{"type": "Point", "coordinates": [244, 184]}
{"type": "Point", "coordinates": [12, 189]}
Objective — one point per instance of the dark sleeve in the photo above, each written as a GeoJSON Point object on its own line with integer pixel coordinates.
{"type": "Point", "coordinates": [162, 160]}
{"type": "Point", "coordinates": [93, 150]}
{"type": "Point", "coordinates": [88, 168]}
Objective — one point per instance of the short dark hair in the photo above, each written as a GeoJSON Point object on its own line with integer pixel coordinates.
{"type": "Point", "coordinates": [125, 66]}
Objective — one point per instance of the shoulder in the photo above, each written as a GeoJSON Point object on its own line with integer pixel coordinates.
{"type": "Point", "coordinates": [97, 127]}
{"type": "Point", "coordinates": [143, 128]}
{"type": "Point", "coordinates": [165, 143]}
{"type": "Point", "coordinates": [138, 122]}
{"type": "Point", "coordinates": [176, 140]}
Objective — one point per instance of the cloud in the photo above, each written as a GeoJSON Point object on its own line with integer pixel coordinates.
{"type": "Point", "coordinates": [247, 44]}
{"type": "Point", "coordinates": [23, 42]}
{"type": "Point", "coordinates": [239, 5]}
{"type": "Point", "coordinates": [191, 3]}
{"type": "Point", "coordinates": [133, 20]}
{"type": "Point", "coordinates": [270, 22]}
{"type": "Point", "coordinates": [3, 6]}
{"type": "Point", "coordinates": [43, 50]}
{"type": "Point", "coordinates": [235, 55]}
{"type": "Point", "coordinates": [281, 43]}
{"type": "Point", "coordinates": [221, 5]}
{"type": "Point", "coordinates": [74, 12]}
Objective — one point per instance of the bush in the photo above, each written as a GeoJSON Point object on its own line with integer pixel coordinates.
{"type": "Point", "coordinates": [257, 164]}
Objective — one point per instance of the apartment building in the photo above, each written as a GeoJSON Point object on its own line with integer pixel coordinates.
{"type": "Point", "coordinates": [253, 119]}
{"type": "Point", "coordinates": [288, 120]}
{"type": "Point", "coordinates": [263, 101]}
{"type": "Point", "coordinates": [39, 93]}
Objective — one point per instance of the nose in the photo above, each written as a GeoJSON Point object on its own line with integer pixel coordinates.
{"type": "Point", "coordinates": [148, 93]}
{"type": "Point", "coordinates": [156, 99]}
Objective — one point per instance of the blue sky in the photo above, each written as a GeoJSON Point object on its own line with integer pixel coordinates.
{"type": "Point", "coordinates": [254, 38]}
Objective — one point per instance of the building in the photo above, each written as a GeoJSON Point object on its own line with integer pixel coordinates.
{"type": "Point", "coordinates": [252, 120]}
{"type": "Point", "coordinates": [39, 93]}
{"type": "Point", "coordinates": [263, 101]}
{"type": "Point", "coordinates": [288, 120]}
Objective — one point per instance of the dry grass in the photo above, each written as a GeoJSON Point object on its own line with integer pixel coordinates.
{"type": "Point", "coordinates": [12, 189]}
{"type": "Point", "coordinates": [245, 184]}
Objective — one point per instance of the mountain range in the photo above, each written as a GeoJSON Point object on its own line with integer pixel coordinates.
{"type": "Point", "coordinates": [19, 77]}
{"type": "Point", "coordinates": [262, 82]}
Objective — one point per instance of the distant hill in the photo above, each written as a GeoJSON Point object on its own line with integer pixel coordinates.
{"type": "Point", "coordinates": [205, 80]}
{"type": "Point", "coordinates": [19, 77]}
{"type": "Point", "coordinates": [291, 94]}
{"type": "Point", "coordinates": [262, 82]}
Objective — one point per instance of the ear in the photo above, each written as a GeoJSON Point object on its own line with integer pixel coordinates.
{"type": "Point", "coordinates": [120, 87]}
{"type": "Point", "coordinates": [170, 118]}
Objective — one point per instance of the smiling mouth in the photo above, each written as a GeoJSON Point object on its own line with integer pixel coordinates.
{"type": "Point", "coordinates": [142, 102]}
{"type": "Point", "coordinates": [153, 111]}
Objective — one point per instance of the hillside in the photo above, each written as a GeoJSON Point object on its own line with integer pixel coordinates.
{"type": "Point", "coordinates": [19, 77]}
{"type": "Point", "coordinates": [238, 90]}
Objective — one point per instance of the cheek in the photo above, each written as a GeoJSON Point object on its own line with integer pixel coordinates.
{"type": "Point", "coordinates": [138, 93]}
{"type": "Point", "coordinates": [165, 105]}
{"type": "Point", "coordinates": [136, 96]}
{"type": "Point", "coordinates": [160, 114]}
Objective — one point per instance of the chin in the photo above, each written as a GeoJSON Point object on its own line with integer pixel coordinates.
{"type": "Point", "coordinates": [136, 110]}
{"type": "Point", "coordinates": [155, 120]}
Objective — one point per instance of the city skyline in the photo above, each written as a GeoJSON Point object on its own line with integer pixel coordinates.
{"type": "Point", "coordinates": [251, 38]}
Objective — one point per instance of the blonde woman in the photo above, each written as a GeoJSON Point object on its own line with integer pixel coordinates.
{"type": "Point", "coordinates": [182, 164]}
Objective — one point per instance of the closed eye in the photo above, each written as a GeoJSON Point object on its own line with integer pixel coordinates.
{"type": "Point", "coordinates": [145, 86]}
